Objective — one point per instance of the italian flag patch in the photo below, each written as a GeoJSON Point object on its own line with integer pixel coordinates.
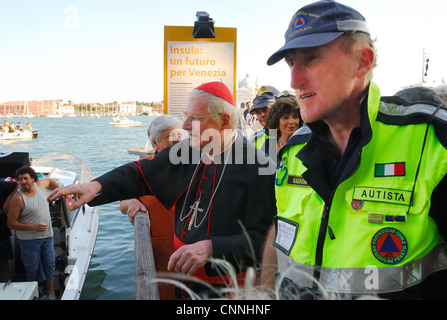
{"type": "Point", "coordinates": [390, 169]}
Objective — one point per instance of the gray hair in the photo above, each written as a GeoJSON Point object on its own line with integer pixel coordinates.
{"type": "Point", "coordinates": [217, 105]}
{"type": "Point", "coordinates": [161, 123]}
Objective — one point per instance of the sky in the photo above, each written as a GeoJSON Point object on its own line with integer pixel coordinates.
{"type": "Point", "coordinates": [112, 50]}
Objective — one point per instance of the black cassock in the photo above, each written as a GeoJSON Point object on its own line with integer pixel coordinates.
{"type": "Point", "coordinates": [229, 199]}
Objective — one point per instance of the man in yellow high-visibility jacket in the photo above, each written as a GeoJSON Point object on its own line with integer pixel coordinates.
{"type": "Point", "coordinates": [361, 189]}
{"type": "Point", "coordinates": [261, 107]}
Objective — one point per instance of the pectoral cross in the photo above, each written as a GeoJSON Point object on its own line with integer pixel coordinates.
{"type": "Point", "coordinates": [193, 212]}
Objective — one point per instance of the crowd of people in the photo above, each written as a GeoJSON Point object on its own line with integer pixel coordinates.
{"type": "Point", "coordinates": [354, 205]}
{"type": "Point", "coordinates": [11, 127]}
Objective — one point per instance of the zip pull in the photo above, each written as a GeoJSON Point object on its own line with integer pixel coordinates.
{"type": "Point", "coordinates": [324, 220]}
{"type": "Point", "coordinates": [331, 233]}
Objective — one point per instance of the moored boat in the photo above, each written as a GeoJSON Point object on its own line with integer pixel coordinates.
{"type": "Point", "coordinates": [142, 152]}
{"type": "Point", "coordinates": [74, 231]}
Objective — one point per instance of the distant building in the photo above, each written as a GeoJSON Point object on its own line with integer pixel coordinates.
{"type": "Point", "coordinates": [155, 108]}
{"type": "Point", "coordinates": [44, 107]}
{"type": "Point", "coordinates": [128, 108]}
{"type": "Point", "coordinates": [67, 110]}
{"type": "Point", "coordinates": [246, 90]}
{"type": "Point", "coordinates": [61, 107]}
{"type": "Point", "coordinates": [158, 107]}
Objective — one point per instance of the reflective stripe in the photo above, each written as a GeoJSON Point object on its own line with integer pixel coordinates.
{"type": "Point", "coordinates": [368, 280]}
{"type": "Point", "coordinates": [353, 25]}
{"type": "Point", "coordinates": [400, 110]}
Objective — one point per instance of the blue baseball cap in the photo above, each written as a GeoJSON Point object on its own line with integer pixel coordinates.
{"type": "Point", "coordinates": [317, 24]}
{"type": "Point", "coordinates": [262, 101]}
{"type": "Point", "coordinates": [268, 90]}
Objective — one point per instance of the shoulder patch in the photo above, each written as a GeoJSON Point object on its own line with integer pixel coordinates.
{"type": "Point", "coordinates": [389, 246]}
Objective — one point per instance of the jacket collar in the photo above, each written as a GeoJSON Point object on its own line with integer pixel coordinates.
{"type": "Point", "coordinates": [312, 154]}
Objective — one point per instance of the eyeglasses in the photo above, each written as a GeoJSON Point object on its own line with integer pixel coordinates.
{"type": "Point", "coordinates": [193, 117]}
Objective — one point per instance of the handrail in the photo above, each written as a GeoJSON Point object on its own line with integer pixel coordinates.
{"type": "Point", "coordinates": [145, 273]}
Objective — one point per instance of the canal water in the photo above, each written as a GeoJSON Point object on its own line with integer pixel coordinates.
{"type": "Point", "coordinates": [111, 274]}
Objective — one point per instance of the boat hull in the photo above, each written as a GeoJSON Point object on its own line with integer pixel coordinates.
{"type": "Point", "coordinates": [21, 135]}
{"type": "Point", "coordinates": [125, 125]}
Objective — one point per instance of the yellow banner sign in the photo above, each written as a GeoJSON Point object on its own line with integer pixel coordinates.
{"type": "Point", "coordinates": [189, 62]}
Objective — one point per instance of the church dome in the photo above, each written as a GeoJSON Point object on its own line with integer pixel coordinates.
{"type": "Point", "coordinates": [248, 82]}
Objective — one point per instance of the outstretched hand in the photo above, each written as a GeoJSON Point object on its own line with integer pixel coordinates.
{"type": "Point", "coordinates": [83, 192]}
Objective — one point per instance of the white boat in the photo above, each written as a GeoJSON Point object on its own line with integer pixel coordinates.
{"type": "Point", "coordinates": [123, 122]}
{"type": "Point", "coordinates": [74, 232]}
{"type": "Point", "coordinates": [142, 152]}
{"type": "Point", "coordinates": [19, 135]}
